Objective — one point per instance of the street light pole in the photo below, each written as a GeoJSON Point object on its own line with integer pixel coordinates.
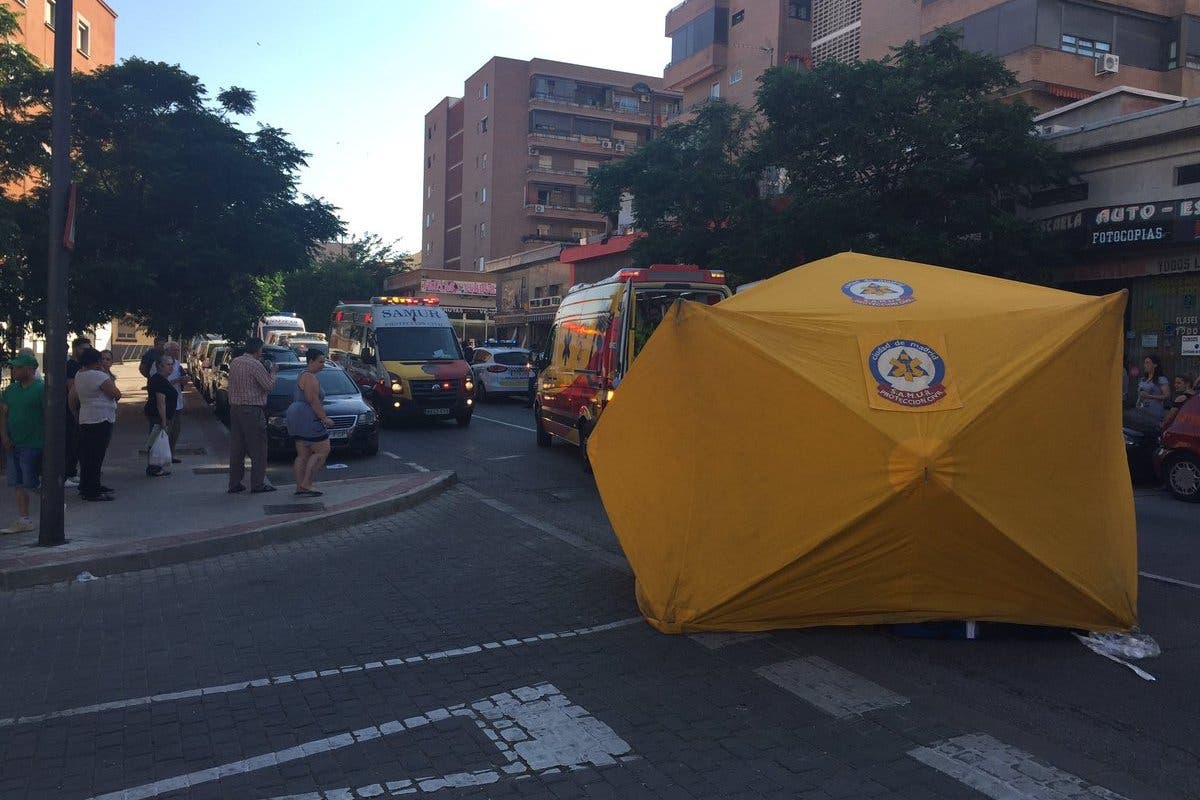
{"type": "Point", "coordinates": [51, 531]}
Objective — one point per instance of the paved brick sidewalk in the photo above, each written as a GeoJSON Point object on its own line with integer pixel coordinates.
{"type": "Point", "coordinates": [453, 649]}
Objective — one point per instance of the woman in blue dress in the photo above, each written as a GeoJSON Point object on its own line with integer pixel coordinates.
{"type": "Point", "coordinates": [309, 425]}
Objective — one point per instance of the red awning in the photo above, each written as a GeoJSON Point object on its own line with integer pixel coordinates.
{"type": "Point", "coordinates": [583, 252]}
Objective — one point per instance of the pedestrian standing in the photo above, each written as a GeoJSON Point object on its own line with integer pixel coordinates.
{"type": "Point", "coordinates": [37, 373]}
{"type": "Point", "coordinates": [160, 401]}
{"type": "Point", "coordinates": [309, 425]}
{"type": "Point", "coordinates": [94, 398]}
{"type": "Point", "coordinates": [1184, 391]}
{"type": "Point", "coordinates": [149, 363]}
{"type": "Point", "coordinates": [106, 362]}
{"type": "Point", "coordinates": [72, 438]}
{"type": "Point", "coordinates": [1153, 391]}
{"type": "Point", "coordinates": [178, 380]}
{"type": "Point", "coordinates": [249, 384]}
{"type": "Point", "coordinates": [21, 435]}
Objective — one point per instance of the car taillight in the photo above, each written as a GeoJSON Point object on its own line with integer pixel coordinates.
{"type": "Point", "coordinates": [497, 368]}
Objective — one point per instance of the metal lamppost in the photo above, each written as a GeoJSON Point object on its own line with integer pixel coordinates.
{"type": "Point", "coordinates": [51, 531]}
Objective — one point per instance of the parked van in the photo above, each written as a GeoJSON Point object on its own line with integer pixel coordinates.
{"type": "Point", "coordinates": [598, 331]}
{"type": "Point", "coordinates": [403, 353]}
{"type": "Point", "coordinates": [283, 321]}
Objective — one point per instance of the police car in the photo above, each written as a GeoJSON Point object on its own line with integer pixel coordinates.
{"type": "Point", "coordinates": [500, 369]}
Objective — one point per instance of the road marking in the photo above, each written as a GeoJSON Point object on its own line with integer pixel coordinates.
{"type": "Point", "coordinates": [392, 456]}
{"type": "Point", "coordinates": [827, 686]}
{"type": "Point", "coordinates": [1172, 581]}
{"type": "Point", "coordinates": [578, 542]}
{"type": "Point", "coordinates": [1003, 772]}
{"type": "Point", "coordinates": [536, 728]}
{"type": "Point", "coordinates": [506, 424]}
{"type": "Point", "coordinates": [505, 458]}
{"type": "Point", "coordinates": [240, 686]}
{"type": "Point", "coordinates": [417, 466]}
{"type": "Point", "coordinates": [715, 640]}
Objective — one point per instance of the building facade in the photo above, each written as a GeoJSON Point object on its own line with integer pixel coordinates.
{"type": "Point", "coordinates": [469, 300]}
{"type": "Point", "coordinates": [506, 165]}
{"type": "Point", "coordinates": [1060, 50]}
{"type": "Point", "coordinates": [1132, 219]}
{"type": "Point", "coordinates": [95, 31]}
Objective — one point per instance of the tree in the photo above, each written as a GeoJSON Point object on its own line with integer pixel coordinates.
{"type": "Point", "coordinates": [355, 270]}
{"type": "Point", "coordinates": [183, 218]}
{"type": "Point", "coordinates": [917, 156]}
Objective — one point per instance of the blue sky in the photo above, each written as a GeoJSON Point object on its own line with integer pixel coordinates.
{"type": "Point", "coordinates": [351, 81]}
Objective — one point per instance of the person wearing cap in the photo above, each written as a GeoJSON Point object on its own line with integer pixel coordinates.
{"type": "Point", "coordinates": [21, 421]}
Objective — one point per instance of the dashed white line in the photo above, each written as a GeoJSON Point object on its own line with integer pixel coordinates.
{"type": "Point", "coordinates": [506, 424]}
{"type": "Point", "coordinates": [392, 456]}
{"type": "Point", "coordinates": [505, 458]}
{"type": "Point", "coordinates": [831, 688]}
{"type": "Point", "coordinates": [308, 675]}
{"type": "Point", "coordinates": [1172, 581]}
{"type": "Point", "coordinates": [715, 640]}
{"type": "Point", "coordinates": [418, 467]}
{"type": "Point", "coordinates": [1003, 772]}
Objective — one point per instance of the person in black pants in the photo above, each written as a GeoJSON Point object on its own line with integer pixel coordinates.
{"type": "Point", "coordinates": [94, 397]}
{"type": "Point", "coordinates": [71, 474]}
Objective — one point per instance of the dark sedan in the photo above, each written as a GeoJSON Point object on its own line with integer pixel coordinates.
{"type": "Point", "coordinates": [355, 425]}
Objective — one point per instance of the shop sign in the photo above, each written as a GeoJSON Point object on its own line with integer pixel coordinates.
{"type": "Point", "coordinates": [1132, 266]}
{"type": "Point", "coordinates": [471, 288]}
{"type": "Point", "coordinates": [1187, 326]}
{"type": "Point", "coordinates": [1149, 340]}
{"type": "Point", "coordinates": [1189, 346]}
{"type": "Point", "coordinates": [1137, 224]}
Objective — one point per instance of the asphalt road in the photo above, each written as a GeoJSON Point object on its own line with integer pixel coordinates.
{"type": "Point", "coordinates": [487, 645]}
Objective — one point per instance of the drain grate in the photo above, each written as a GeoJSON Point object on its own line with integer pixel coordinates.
{"type": "Point", "coordinates": [293, 508]}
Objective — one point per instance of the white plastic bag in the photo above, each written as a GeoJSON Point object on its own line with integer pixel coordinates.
{"type": "Point", "coordinates": [159, 453]}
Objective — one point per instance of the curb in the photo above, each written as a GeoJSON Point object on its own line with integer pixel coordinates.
{"type": "Point", "coordinates": [168, 550]}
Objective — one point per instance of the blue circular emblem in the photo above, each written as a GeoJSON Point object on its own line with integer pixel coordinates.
{"type": "Point", "coordinates": [878, 292]}
{"type": "Point", "coordinates": [908, 373]}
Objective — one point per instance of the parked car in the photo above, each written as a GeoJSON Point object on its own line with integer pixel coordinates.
{"type": "Point", "coordinates": [218, 369]}
{"type": "Point", "coordinates": [500, 371]}
{"type": "Point", "coordinates": [220, 384]}
{"type": "Point", "coordinates": [203, 363]}
{"type": "Point", "coordinates": [355, 424]}
{"type": "Point", "coordinates": [1140, 447]}
{"type": "Point", "coordinates": [1177, 461]}
{"type": "Point", "coordinates": [276, 354]}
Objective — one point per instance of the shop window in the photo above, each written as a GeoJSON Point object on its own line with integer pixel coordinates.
{"type": "Point", "coordinates": [1084, 47]}
{"type": "Point", "coordinates": [1187, 174]}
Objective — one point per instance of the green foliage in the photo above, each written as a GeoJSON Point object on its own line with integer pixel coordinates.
{"type": "Point", "coordinates": [353, 271]}
{"type": "Point", "coordinates": [916, 156]}
{"type": "Point", "coordinates": [183, 218]}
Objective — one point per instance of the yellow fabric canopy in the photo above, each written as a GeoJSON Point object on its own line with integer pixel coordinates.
{"type": "Point", "coordinates": [864, 440]}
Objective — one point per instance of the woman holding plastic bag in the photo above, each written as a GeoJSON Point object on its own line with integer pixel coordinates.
{"type": "Point", "coordinates": [160, 409]}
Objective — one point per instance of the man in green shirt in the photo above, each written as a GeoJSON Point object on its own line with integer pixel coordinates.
{"type": "Point", "coordinates": [21, 429]}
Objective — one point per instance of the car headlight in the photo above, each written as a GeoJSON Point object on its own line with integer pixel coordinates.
{"type": "Point", "coordinates": [277, 423]}
{"type": "Point", "coordinates": [366, 418]}
{"type": "Point", "coordinates": [468, 383]}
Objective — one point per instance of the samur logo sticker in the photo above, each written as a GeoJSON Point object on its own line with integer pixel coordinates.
{"type": "Point", "coordinates": [908, 374]}
{"type": "Point", "coordinates": [878, 292]}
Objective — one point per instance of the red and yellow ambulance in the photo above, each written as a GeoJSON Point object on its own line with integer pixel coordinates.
{"type": "Point", "coordinates": [404, 355]}
{"type": "Point", "coordinates": [598, 331]}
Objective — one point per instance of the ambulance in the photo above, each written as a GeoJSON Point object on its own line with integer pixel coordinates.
{"type": "Point", "coordinates": [405, 357]}
{"type": "Point", "coordinates": [598, 331]}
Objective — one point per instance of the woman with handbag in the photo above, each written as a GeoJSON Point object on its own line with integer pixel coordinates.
{"type": "Point", "coordinates": [160, 408]}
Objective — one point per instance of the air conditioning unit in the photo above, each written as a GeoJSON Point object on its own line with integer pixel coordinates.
{"type": "Point", "coordinates": [1108, 64]}
{"type": "Point", "coordinates": [645, 98]}
{"type": "Point", "coordinates": [539, 209]}
{"type": "Point", "coordinates": [533, 151]}
{"type": "Point", "coordinates": [606, 144]}
{"type": "Point", "coordinates": [619, 147]}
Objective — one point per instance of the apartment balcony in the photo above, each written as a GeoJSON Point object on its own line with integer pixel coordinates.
{"type": "Point", "coordinates": [558, 177]}
{"type": "Point", "coordinates": [570, 213]}
{"type": "Point", "coordinates": [696, 67]}
{"type": "Point", "coordinates": [593, 145]}
{"type": "Point", "coordinates": [610, 112]}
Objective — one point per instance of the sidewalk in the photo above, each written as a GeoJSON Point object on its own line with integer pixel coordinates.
{"type": "Point", "coordinates": [188, 515]}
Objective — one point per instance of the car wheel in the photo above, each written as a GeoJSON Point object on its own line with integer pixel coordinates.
{"type": "Point", "coordinates": [543, 438]}
{"type": "Point", "coordinates": [1183, 477]}
{"type": "Point", "coordinates": [372, 448]}
{"type": "Point", "coordinates": [481, 394]}
{"type": "Point", "coordinates": [583, 448]}
{"type": "Point", "coordinates": [463, 420]}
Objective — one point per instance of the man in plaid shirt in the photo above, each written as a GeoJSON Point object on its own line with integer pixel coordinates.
{"type": "Point", "coordinates": [249, 385]}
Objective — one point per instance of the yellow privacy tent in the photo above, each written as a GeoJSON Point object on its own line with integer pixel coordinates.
{"type": "Point", "coordinates": [863, 440]}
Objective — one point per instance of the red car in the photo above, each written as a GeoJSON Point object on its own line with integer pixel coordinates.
{"type": "Point", "coordinates": [1177, 461]}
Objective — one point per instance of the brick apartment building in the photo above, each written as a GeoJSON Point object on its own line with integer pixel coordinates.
{"type": "Point", "coordinates": [506, 165]}
{"type": "Point", "coordinates": [95, 31]}
{"type": "Point", "coordinates": [719, 48]}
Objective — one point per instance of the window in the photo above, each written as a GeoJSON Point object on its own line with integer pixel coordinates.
{"type": "Point", "coordinates": [715, 92]}
{"type": "Point", "coordinates": [579, 233]}
{"type": "Point", "coordinates": [51, 7]}
{"type": "Point", "coordinates": [545, 163]}
{"type": "Point", "coordinates": [428, 162]}
{"type": "Point", "coordinates": [1084, 47]}
{"type": "Point", "coordinates": [737, 17]}
{"type": "Point", "coordinates": [483, 125]}
{"type": "Point", "coordinates": [483, 161]}
{"type": "Point", "coordinates": [483, 230]}
{"type": "Point", "coordinates": [543, 230]}
{"type": "Point", "coordinates": [429, 191]}
{"type": "Point", "coordinates": [428, 220]}
{"type": "Point", "coordinates": [483, 195]}
{"type": "Point", "coordinates": [429, 247]}
{"type": "Point", "coordinates": [429, 134]}
{"type": "Point", "coordinates": [83, 37]}
{"type": "Point", "coordinates": [1187, 174]}
{"type": "Point", "coordinates": [711, 27]}
{"type": "Point", "coordinates": [126, 330]}
{"type": "Point", "coordinates": [799, 9]}
{"type": "Point", "coordinates": [736, 77]}
{"type": "Point", "coordinates": [484, 93]}
{"type": "Point", "coordinates": [481, 263]}
{"type": "Point", "coordinates": [1071, 193]}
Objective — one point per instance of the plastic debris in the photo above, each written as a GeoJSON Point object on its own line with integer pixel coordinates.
{"type": "Point", "coordinates": [1120, 646]}
{"type": "Point", "coordinates": [337, 466]}
{"type": "Point", "coordinates": [86, 576]}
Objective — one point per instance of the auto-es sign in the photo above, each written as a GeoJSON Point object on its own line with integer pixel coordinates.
{"type": "Point", "coordinates": [1132, 225]}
